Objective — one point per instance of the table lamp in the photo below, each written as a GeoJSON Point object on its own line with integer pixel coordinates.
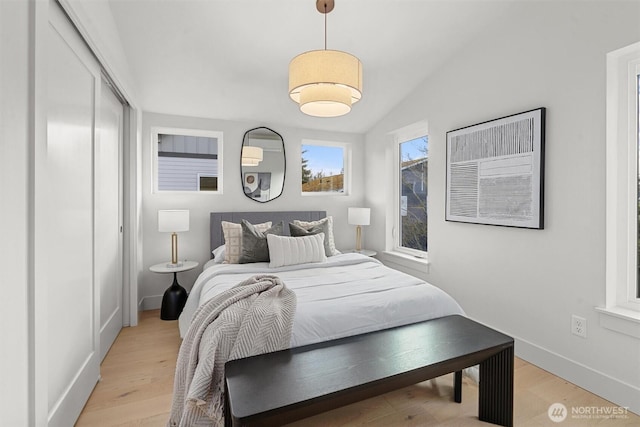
{"type": "Point", "coordinates": [173, 221]}
{"type": "Point", "coordinates": [359, 217]}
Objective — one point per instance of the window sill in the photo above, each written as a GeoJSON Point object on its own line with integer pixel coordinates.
{"type": "Point", "coordinates": [621, 320]}
{"type": "Point", "coordinates": [406, 260]}
{"type": "Point", "coordinates": [323, 193]}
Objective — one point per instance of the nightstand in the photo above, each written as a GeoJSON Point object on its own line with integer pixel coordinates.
{"type": "Point", "coordinates": [175, 296]}
{"type": "Point", "coordinates": [366, 252]}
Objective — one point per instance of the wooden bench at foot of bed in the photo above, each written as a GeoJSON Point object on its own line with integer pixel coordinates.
{"type": "Point", "coordinates": [278, 388]}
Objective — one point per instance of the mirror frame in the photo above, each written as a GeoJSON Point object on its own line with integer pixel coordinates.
{"type": "Point", "coordinates": [284, 163]}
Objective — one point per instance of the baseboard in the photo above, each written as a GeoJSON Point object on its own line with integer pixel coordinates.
{"type": "Point", "coordinates": [603, 385]}
{"type": "Point", "coordinates": [153, 302]}
{"type": "Point", "coordinates": [67, 408]}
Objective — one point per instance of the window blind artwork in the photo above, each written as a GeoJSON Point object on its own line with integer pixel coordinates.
{"type": "Point", "coordinates": [495, 172]}
{"type": "Point", "coordinates": [183, 173]}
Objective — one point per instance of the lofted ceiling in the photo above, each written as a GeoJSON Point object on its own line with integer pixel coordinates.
{"type": "Point", "coordinates": [228, 59]}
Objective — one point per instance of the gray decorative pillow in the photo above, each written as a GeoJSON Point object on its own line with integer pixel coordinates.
{"type": "Point", "coordinates": [233, 239]}
{"type": "Point", "coordinates": [254, 242]}
{"type": "Point", "coordinates": [297, 229]}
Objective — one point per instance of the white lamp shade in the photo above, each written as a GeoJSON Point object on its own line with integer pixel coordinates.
{"type": "Point", "coordinates": [173, 221]}
{"type": "Point", "coordinates": [359, 216]}
{"type": "Point", "coordinates": [325, 82]}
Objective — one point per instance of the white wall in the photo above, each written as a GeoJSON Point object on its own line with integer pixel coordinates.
{"type": "Point", "coordinates": [14, 210]}
{"type": "Point", "coordinates": [528, 283]}
{"type": "Point", "coordinates": [194, 245]}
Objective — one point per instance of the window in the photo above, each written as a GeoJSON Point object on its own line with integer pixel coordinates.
{"type": "Point", "coordinates": [207, 182]}
{"type": "Point", "coordinates": [324, 167]}
{"type": "Point", "coordinates": [623, 186]}
{"type": "Point", "coordinates": [187, 160]}
{"type": "Point", "coordinates": [410, 231]}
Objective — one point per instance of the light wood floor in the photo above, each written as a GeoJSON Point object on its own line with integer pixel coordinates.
{"type": "Point", "coordinates": [137, 385]}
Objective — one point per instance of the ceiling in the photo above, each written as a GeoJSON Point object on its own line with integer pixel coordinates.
{"type": "Point", "coordinates": [228, 59]}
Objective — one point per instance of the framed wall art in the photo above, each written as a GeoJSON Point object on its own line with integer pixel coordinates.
{"type": "Point", "coordinates": [257, 185]}
{"type": "Point", "coordinates": [495, 172]}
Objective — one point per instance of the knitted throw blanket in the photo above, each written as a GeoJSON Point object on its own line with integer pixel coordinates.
{"type": "Point", "coordinates": [253, 317]}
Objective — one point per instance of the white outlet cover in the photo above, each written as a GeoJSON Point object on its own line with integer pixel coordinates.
{"type": "Point", "coordinates": [579, 326]}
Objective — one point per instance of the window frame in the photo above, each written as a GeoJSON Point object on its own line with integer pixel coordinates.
{"type": "Point", "coordinates": [399, 136]}
{"type": "Point", "coordinates": [157, 130]}
{"type": "Point", "coordinates": [622, 307]}
{"type": "Point", "coordinates": [346, 164]}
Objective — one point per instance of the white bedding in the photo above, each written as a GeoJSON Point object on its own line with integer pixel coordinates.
{"type": "Point", "coordinates": [348, 294]}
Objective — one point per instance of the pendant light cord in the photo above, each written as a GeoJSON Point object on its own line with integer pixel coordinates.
{"type": "Point", "coordinates": [325, 26]}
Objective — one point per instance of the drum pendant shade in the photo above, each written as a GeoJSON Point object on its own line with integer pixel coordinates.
{"type": "Point", "coordinates": [325, 83]}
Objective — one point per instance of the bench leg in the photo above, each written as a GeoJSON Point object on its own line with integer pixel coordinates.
{"type": "Point", "coordinates": [496, 389]}
{"type": "Point", "coordinates": [457, 386]}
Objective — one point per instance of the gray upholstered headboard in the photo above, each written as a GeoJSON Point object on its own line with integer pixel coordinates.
{"type": "Point", "coordinates": [215, 228]}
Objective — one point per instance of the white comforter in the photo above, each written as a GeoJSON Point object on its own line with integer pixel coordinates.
{"type": "Point", "coordinates": [349, 294]}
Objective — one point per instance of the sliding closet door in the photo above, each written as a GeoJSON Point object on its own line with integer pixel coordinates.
{"type": "Point", "coordinates": [108, 228]}
{"type": "Point", "coordinates": [72, 350]}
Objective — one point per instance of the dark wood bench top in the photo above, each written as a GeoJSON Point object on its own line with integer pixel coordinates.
{"type": "Point", "coordinates": [281, 387]}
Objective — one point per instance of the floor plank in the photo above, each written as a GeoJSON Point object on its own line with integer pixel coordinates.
{"type": "Point", "coordinates": [137, 376]}
{"type": "Point", "coordinates": [137, 385]}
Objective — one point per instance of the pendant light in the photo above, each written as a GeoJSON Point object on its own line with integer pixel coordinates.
{"type": "Point", "coordinates": [251, 155]}
{"type": "Point", "coordinates": [325, 83]}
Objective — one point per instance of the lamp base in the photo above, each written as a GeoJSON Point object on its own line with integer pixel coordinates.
{"type": "Point", "coordinates": [173, 300]}
{"type": "Point", "coordinates": [176, 265]}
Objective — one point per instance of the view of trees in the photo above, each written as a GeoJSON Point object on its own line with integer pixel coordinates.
{"type": "Point", "coordinates": [306, 172]}
{"type": "Point", "coordinates": [318, 180]}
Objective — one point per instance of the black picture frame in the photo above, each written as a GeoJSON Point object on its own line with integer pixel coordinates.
{"type": "Point", "coordinates": [495, 171]}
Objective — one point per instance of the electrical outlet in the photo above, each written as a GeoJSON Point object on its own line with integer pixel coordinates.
{"type": "Point", "coordinates": [579, 326]}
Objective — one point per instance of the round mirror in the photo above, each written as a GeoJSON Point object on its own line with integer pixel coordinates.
{"type": "Point", "coordinates": [262, 164]}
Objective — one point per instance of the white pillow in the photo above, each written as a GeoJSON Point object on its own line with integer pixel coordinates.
{"type": "Point", "coordinates": [233, 239]}
{"type": "Point", "coordinates": [295, 250]}
{"type": "Point", "coordinates": [330, 245]}
{"type": "Point", "coordinates": [218, 254]}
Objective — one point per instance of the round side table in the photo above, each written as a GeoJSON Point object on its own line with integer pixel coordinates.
{"type": "Point", "coordinates": [175, 296]}
{"type": "Point", "coordinates": [367, 252]}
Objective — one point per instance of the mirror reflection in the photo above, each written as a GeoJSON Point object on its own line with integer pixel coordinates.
{"type": "Point", "coordinates": [262, 164]}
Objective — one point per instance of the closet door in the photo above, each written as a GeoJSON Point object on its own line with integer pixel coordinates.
{"type": "Point", "coordinates": [72, 348]}
{"type": "Point", "coordinates": [108, 227]}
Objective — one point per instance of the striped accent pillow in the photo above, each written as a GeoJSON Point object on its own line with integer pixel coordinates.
{"type": "Point", "coordinates": [326, 225]}
{"type": "Point", "coordinates": [295, 250]}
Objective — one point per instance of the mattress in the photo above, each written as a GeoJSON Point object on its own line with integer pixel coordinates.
{"type": "Point", "coordinates": [349, 294]}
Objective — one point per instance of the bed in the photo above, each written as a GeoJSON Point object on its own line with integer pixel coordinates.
{"type": "Point", "coordinates": [265, 291]}
{"type": "Point", "coordinates": [346, 294]}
